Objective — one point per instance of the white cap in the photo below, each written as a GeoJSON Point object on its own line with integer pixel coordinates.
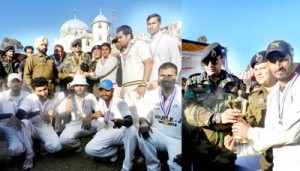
{"type": "Point", "coordinates": [79, 80]}
{"type": "Point", "coordinates": [13, 76]}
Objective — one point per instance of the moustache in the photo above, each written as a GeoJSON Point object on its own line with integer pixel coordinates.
{"type": "Point", "coordinates": [281, 70]}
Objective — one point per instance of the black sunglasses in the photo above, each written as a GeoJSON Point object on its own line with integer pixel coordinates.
{"type": "Point", "coordinates": [213, 61]}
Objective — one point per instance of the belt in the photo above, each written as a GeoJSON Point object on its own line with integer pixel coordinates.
{"type": "Point", "coordinates": [132, 83]}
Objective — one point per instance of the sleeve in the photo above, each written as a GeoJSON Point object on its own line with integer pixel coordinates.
{"type": "Point", "coordinates": [28, 69]}
{"type": "Point", "coordinates": [144, 51]}
{"type": "Point", "coordinates": [197, 115]}
{"type": "Point", "coordinates": [104, 70]}
{"type": "Point", "coordinates": [28, 105]}
{"type": "Point", "coordinates": [61, 108]}
{"type": "Point", "coordinates": [246, 149]}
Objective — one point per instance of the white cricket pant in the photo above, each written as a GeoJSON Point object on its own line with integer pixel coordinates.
{"type": "Point", "coordinates": [15, 146]}
{"type": "Point", "coordinates": [132, 99]}
{"type": "Point", "coordinates": [73, 131]}
{"type": "Point", "coordinates": [37, 129]}
{"type": "Point", "coordinates": [105, 143]}
{"type": "Point", "coordinates": [161, 142]}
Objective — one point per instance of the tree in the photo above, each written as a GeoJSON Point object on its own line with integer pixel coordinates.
{"type": "Point", "coordinates": [14, 42]}
{"type": "Point", "coordinates": [202, 39]}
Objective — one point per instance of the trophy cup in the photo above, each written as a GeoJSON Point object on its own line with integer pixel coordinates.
{"type": "Point", "coordinates": [241, 104]}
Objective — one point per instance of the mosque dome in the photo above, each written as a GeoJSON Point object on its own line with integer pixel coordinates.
{"type": "Point", "coordinates": [100, 18]}
{"type": "Point", "coordinates": [74, 24]}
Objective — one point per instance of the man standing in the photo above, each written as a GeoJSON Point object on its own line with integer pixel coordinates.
{"type": "Point", "coordinates": [161, 123]}
{"type": "Point", "coordinates": [136, 68]}
{"type": "Point", "coordinates": [83, 121]}
{"type": "Point", "coordinates": [163, 48]}
{"type": "Point", "coordinates": [40, 65]}
{"type": "Point", "coordinates": [207, 114]}
{"type": "Point", "coordinates": [118, 128]}
{"type": "Point", "coordinates": [282, 122]}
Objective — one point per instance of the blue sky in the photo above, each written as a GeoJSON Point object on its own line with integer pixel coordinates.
{"type": "Point", "coordinates": [244, 27]}
{"type": "Point", "coordinates": [26, 20]}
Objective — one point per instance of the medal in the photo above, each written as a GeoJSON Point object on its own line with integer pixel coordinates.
{"type": "Point", "coordinates": [105, 126]}
{"type": "Point", "coordinates": [166, 121]}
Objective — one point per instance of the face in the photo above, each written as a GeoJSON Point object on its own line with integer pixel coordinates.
{"type": "Point", "coordinates": [106, 95]}
{"type": "Point", "coordinates": [77, 48]}
{"type": "Point", "coordinates": [42, 92]}
{"type": "Point", "coordinates": [263, 74]}
{"type": "Point", "coordinates": [213, 66]}
{"type": "Point", "coordinates": [281, 67]}
{"type": "Point", "coordinates": [79, 90]}
{"type": "Point", "coordinates": [59, 52]}
{"type": "Point", "coordinates": [105, 51]}
{"type": "Point", "coordinates": [15, 84]}
{"type": "Point", "coordinates": [153, 25]}
{"type": "Point", "coordinates": [167, 78]}
{"type": "Point", "coordinates": [10, 53]}
{"type": "Point", "coordinates": [124, 40]}
{"type": "Point", "coordinates": [96, 53]}
{"type": "Point", "coordinates": [29, 52]}
{"type": "Point", "coordinates": [43, 47]}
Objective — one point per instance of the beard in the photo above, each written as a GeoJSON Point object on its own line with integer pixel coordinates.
{"type": "Point", "coordinates": [167, 85]}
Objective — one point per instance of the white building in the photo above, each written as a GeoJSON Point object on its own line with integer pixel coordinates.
{"type": "Point", "coordinates": [77, 29]}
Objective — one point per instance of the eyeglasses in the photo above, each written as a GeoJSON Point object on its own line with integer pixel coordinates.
{"type": "Point", "coordinates": [213, 61]}
{"type": "Point", "coordinates": [278, 57]}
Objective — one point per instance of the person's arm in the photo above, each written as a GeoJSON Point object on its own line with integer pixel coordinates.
{"type": "Point", "coordinates": [28, 69]}
{"type": "Point", "coordinates": [103, 70]}
{"type": "Point", "coordinates": [141, 89]}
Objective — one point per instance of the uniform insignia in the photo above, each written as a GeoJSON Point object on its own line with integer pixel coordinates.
{"type": "Point", "coordinates": [275, 44]}
{"type": "Point", "coordinates": [213, 53]}
{"type": "Point", "coordinates": [259, 57]}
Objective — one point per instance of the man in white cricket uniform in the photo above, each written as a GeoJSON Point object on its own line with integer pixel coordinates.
{"type": "Point", "coordinates": [118, 128]}
{"type": "Point", "coordinates": [136, 68]}
{"type": "Point", "coordinates": [11, 126]}
{"type": "Point", "coordinates": [163, 48]}
{"type": "Point", "coordinates": [160, 128]}
{"type": "Point", "coordinates": [83, 121]}
{"type": "Point", "coordinates": [38, 108]}
{"type": "Point", "coordinates": [282, 122]}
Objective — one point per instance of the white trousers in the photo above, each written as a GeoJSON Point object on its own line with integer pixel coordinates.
{"type": "Point", "coordinates": [105, 143]}
{"type": "Point", "coordinates": [11, 136]}
{"type": "Point", "coordinates": [159, 141]}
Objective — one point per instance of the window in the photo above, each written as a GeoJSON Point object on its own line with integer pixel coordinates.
{"type": "Point", "coordinates": [100, 37]}
{"type": "Point", "coordinates": [99, 26]}
{"type": "Point", "coordinates": [87, 43]}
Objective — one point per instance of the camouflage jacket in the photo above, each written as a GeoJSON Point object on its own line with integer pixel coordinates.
{"type": "Point", "coordinates": [10, 65]}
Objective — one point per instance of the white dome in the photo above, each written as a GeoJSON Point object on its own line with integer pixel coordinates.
{"type": "Point", "coordinates": [74, 24]}
{"type": "Point", "coordinates": [101, 18]}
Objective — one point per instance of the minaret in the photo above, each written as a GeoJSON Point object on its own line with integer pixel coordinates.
{"type": "Point", "coordinates": [100, 27]}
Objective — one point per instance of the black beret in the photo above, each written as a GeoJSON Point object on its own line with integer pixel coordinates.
{"type": "Point", "coordinates": [279, 46]}
{"type": "Point", "coordinates": [76, 42]}
{"type": "Point", "coordinates": [7, 48]}
{"type": "Point", "coordinates": [96, 47]}
{"type": "Point", "coordinates": [211, 51]}
{"type": "Point", "coordinates": [258, 58]}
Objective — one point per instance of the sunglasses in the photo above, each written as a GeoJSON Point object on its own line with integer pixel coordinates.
{"type": "Point", "coordinates": [277, 57]}
{"type": "Point", "coordinates": [213, 61]}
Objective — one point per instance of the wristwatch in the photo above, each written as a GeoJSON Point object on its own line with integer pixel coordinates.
{"type": "Point", "coordinates": [218, 118]}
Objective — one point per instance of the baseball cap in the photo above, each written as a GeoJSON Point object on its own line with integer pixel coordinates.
{"type": "Point", "coordinates": [13, 76]}
{"type": "Point", "coordinates": [106, 84]}
{"type": "Point", "coordinates": [258, 58]}
{"type": "Point", "coordinates": [280, 46]}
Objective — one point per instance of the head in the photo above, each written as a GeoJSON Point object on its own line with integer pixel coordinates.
{"type": "Point", "coordinates": [9, 51]}
{"type": "Point", "coordinates": [153, 23]}
{"type": "Point", "coordinates": [212, 59]}
{"type": "Point", "coordinates": [28, 50]}
{"type": "Point", "coordinates": [41, 44]}
{"type": "Point", "coordinates": [40, 87]}
{"type": "Point", "coordinates": [76, 45]}
{"type": "Point", "coordinates": [254, 86]}
{"type": "Point", "coordinates": [262, 70]}
{"type": "Point", "coordinates": [106, 90]}
{"type": "Point", "coordinates": [105, 49]}
{"type": "Point", "coordinates": [96, 52]}
{"type": "Point", "coordinates": [14, 82]}
{"type": "Point", "coordinates": [124, 34]}
{"type": "Point", "coordinates": [116, 43]}
{"type": "Point", "coordinates": [79, 84]}
{"type": "Point", "coordinates": [280, 57]}
{"type": "Point", "coordinates": [59, 51]}
{"type": "Point", "coordinates": [167, 75]}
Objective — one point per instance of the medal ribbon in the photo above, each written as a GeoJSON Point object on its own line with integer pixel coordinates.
{"type": "Point", "coordinates": [153, 52]}
{"type": "Point", "coordinates": [166, 108]}
{"type": "Point", "coordinates": [14, 105]}
{"type": "Point", "coordinates": [285, 92]}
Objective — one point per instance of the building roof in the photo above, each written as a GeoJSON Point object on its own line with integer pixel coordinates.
{"type": "Point", "coordinates": [100, 18]}
{"type": "Point", "coordinates": [74, 24]}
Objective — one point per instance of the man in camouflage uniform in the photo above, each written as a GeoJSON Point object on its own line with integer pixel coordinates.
{"type": "Point", "coordinates": [207, 117]}
{"type": "Point", "coordinates": [256, 112]}
{"type": "Point", "coordinates": [75, 62]}
{"type": "Point", "coordinates": [40, 65]}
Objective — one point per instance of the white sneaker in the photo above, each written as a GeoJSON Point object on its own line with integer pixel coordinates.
{"type": "Point", "coordinates": [114, 158]}
{"type": "Point", "coordinates": [28, 164]}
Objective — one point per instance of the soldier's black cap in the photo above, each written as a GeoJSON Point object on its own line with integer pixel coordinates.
{"type": "Point", "coordinates": [96, 47]}
{"type": "Point", "coordinates": [76, 42]}
{"type": "Point", "coordinates": [278, 46]}
{"type": "Point", "coordinates": [212, 51]}
{"type": "Point", "coordinates": [258, 58]}
{"type": "Point", "coordinates": [9, 47]}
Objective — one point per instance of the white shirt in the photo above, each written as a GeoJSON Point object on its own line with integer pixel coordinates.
{"type": "Point", "coordinates": [117, 109]}
{"type": "Point", "coordinates": [151, 109]}
{"type": "Point", "coordinates": [106, 68]}
{"type": "Point", "coordinates": [163, 49]}
{"type": "Point", "coordinates": [132, 62]}
{"type": "Point", "coordinates": [10, 104]}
